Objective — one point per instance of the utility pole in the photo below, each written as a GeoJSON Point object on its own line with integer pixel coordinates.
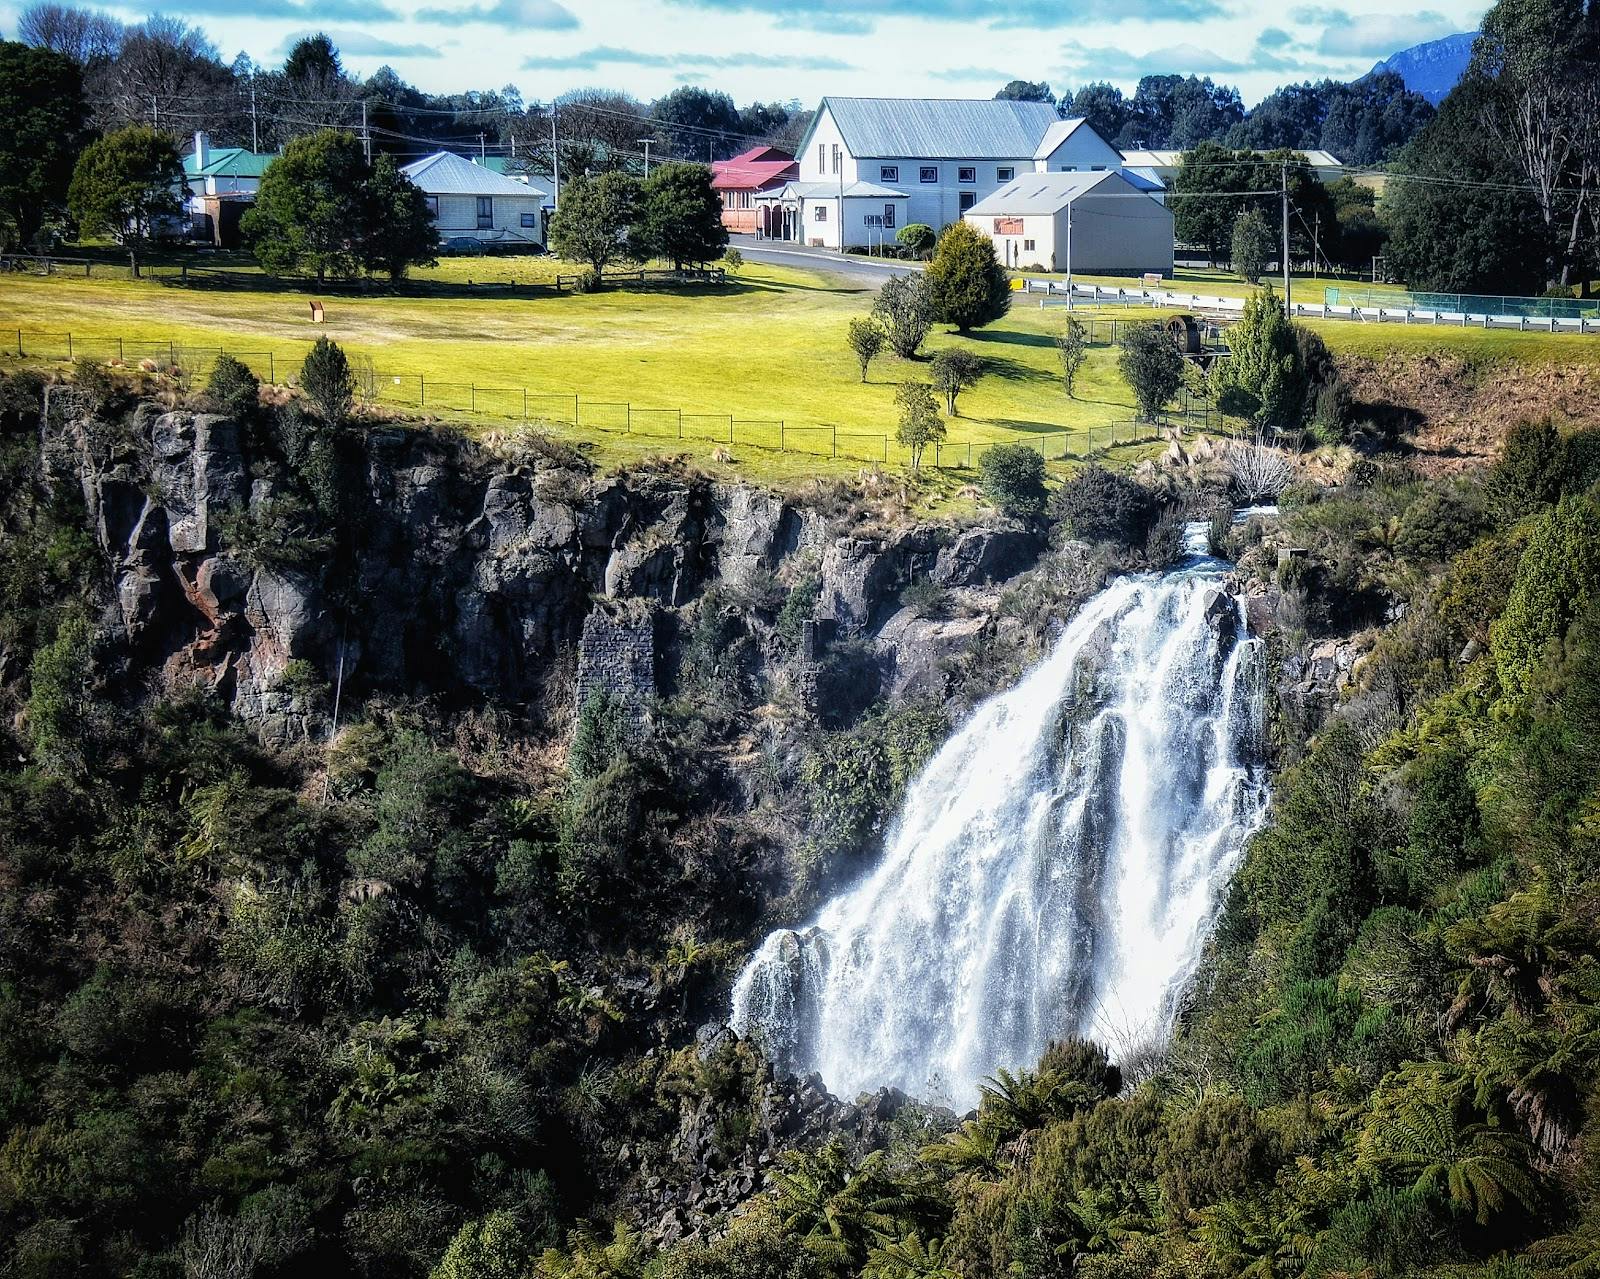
{"type": "Point", "coordinates": [1316, 244]}
{"type": "Point", "coordinates": [255, 130]}
{"type": "Point", "coordinates": [646, 142]}
{"type": "Point", "coordinates": [483, 153]}
{"type": "Point", "coordinates": [366, 137]}
{"type": "Point", "coordinates": [1288, 308]}
{"type": "Point", "coordinates": [155, 112]}
{"type": "Point", "coordinates": [555, 158]}
{"type": "Point", "coordinates": [1069, 255]}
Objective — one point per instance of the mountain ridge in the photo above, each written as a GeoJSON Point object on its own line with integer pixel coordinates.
{"type": "Point", "coordinates": [1432, 68]}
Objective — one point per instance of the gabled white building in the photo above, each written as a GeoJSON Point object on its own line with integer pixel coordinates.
{"type": "Point", "coordinates": [888, 162]}
{"type": "Point", "coordinates": [1085, 221]}
{"type": "Point", "coordinates": [471, 202]}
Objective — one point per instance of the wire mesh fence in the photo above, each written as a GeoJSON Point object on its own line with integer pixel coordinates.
{"type": "Point", "coordinates": [1560, 308]}
{"type": "Point", "coordinates": [190, 365]}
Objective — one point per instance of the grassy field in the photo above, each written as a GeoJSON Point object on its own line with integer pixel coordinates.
{"type": "Point", "coordinates": [768, 346]}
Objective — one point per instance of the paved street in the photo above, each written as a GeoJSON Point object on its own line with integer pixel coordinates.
{"type": "Point", "coordinates": [867, 271]}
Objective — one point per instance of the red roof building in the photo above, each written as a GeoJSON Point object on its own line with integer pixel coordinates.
{"type": "Point", "coordinates": [739, 180]}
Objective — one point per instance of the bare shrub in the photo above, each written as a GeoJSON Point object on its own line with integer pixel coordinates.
{"type": "Point", "coordinates": [1257, 471]}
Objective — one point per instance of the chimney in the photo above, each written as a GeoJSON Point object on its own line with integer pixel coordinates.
{"type": "Point", "coordinates": [202, 148]}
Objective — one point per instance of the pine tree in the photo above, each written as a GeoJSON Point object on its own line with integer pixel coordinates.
{"type": "Point", "coordinates": [967, 285]}
{"type": "Point", "coordinates": [1265, 380]}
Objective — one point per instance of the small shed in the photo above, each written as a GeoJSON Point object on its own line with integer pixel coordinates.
{"type": "Point", "coordinates": [1099, 222]}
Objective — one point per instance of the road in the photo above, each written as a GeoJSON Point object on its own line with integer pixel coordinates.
{"type": "Point", "coordinates": [870, 272]}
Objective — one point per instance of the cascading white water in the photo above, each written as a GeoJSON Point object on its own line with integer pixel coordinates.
{"type": "Point", "coordinates": [1055, 866]}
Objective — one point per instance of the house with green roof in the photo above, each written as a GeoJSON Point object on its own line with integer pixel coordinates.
{"type": "Point", "coordinates": [221, 183]}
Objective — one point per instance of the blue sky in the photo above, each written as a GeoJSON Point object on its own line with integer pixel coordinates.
{"type": "Point", "coordinates": [780, 49]}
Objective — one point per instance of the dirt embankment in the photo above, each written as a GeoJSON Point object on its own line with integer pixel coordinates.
{"type": "Point", "coordinates": [1454, 411]}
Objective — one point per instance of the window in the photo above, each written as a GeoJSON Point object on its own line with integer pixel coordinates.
{"type": "Point", "coordinates": [1069, 168]}
{"type": "Point", "coordinates": [529, 218]}
{"type": "Point", "coordinates": [1027, 246]}
{"type": "Point", "coordinates": [889, 173]}
{"type": "Point", "coordinates": [968, 199]}
{"type": "Point", "coordinates": [928, 173]}
{"type": "Point", "coordinates": [888, 215]}
{"type": "Point", "coordinates": [966, 173]}
{"type": "Point", "coordinates": [1005, 173]}
{"type": "Point", "coordinates": [1097, 168]}
{"type": "Point", "coordinates": [836, 159]}
{"type": "Point", "coordinates": [433, 206]}
{"type": "Point", "coordinates": [822, 157]}
{"type": "Point", "coordinates": [485, 212]}
{"type": "Point", "coordinates": [820, 213]}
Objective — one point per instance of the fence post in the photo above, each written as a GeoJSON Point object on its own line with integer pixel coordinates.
{"type": "Point", "coordinates": [121, 358]}
{"type": "Point", "coordinates": [524, 406]}
{"type": "Point", "coordinates": [272, 369]}
{"type": "Point", "coordinates": [472, 392]}
{"type": "Point", "coordinates": [885, 448]}
{"type": "Point", "coordinates": [783, 446]}
{"type": "Point", "coordinates": [172, 354]}
{"type": "Point", "coordinates": [629, 408]}
{"type": "Point", "coordinates": [680, 428]}
{"type": "Point", "coordinates": [422, 390]}
{"type": "Point", "coordinates": [833, 433]}
{"type": "Point", "coordinates": [69, 344]}
{"type": "Point", "coordinates": [19, 344]}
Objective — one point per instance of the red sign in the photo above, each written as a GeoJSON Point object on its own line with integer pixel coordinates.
{"type": "Point", "coordinates": [1008, 226]}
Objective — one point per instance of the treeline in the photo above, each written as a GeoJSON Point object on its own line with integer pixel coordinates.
{"type": "Point", "coordinates": [1363, 122]}
{"type": "Point", "coordinates": [169, 74]}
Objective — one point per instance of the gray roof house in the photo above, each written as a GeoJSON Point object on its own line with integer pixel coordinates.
{"type": "Point", "coordinates": [1088, 222]}
{"type": "Point", "coordinates": [471, 202]}
{"type": "Point", "coordinates": [937, 157]}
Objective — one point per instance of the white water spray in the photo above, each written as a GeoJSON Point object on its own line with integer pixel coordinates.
{"type": "Point", "coordinates": [1055, 867]}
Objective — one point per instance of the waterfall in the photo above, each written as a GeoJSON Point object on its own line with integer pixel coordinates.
{"type": "Point", "coordinates": [1053, 869]}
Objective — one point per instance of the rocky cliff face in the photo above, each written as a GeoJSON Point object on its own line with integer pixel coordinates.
{"type": "Point", "coordinates": [460, 573]}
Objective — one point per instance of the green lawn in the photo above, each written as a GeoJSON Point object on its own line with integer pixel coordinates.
{"type": "Point", "coordinates": [767, 347]}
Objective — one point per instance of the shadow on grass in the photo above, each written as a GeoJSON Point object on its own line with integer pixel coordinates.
{"type": "Point", "coordinates": [213, 281]}
{"type": "Point", "coordinates": [1011, 337]}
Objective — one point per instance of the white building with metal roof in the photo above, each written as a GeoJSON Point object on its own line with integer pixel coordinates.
{"type": "Point", "coordinates": [931, 159]}
{"type": "Point", "coordinates": [1164, 165]}
{"type": "Point", "coordinates": [1091, 222]}
{"type": "Point", "coordinates": [471, 202]}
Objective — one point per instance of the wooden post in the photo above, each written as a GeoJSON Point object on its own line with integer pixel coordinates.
{"type": "Point", "coordinates": [524, 405]}
{"type": "Point", "coordinates": [69, 345]}
{"type": "Point", "coordinates": [833, 432]}
{"type": "Point", "coordinates": [422, 385]}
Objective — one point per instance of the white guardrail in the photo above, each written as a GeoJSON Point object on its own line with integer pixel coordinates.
{"type": "Point", "coordinates": [1103, 295]}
